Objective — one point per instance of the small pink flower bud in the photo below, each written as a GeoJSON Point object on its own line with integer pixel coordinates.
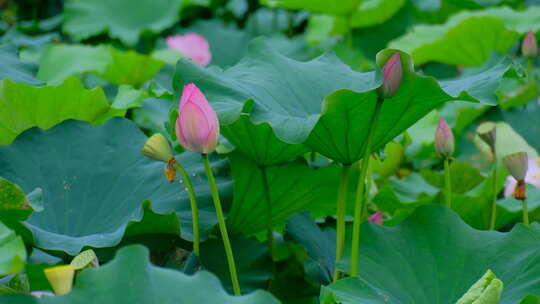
{"type": "Point", "coordinates": [191, 45]}
{"type": "Point", "coordinates": [444, 139]}
{"type": "Point", "coordinates": [197, 127]}
{"type": "Point", "coordinates": [529, 46]}
{"type": "Point", "coordinates": [517, 164]}
{"type": "Point", "coordinates": [392, 74]}
{"type": "Point", "coordinates": [376, 218]}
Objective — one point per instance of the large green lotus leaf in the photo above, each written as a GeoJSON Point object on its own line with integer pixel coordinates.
{"type": "Point", "coordinates": [317, 6]}
{"type": "Point", "coordinates": [296, 99]}
{"type": "Point", "coordinates": [525, 122]}
{"type": "Point", "coordinates": [294, 187]}
{"type": "Point", "coordinates": [119, 18]}
{"type": "Point", "coordinates": [130, 278]}
{"type": "Point", "coordinates": [12, 251]}
{"type": "Point", "coordinates": [94, 180]}
{"type": "Point", "coordinates": [468, 38]}
{"type": "Point", "coordinates": [14, 68]}
{"type": "Point", "coordinates": [434, 257]}
{"type": "Point", "coordinates": [23, 106]}
{"type": "Point", "coordinates": [61, 61]}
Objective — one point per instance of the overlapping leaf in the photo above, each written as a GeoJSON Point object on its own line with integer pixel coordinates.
{"type": "Point", "coordinates": [12, 251]}
{"type": "Point", "coordinates": [470, 37]}
{"type": "Point", "coordinates": [14, 68]}
{"type": "Point", "coordinates": [130, 278]}
{"type": "Point", "coordinates": [301, 104]}
{"type": "Point", "coordinates": [94, 180]}
{"type": "Point", "coordinates": [434, 257]}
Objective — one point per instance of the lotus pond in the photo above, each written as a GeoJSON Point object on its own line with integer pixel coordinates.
{"type": "Point", "coordinates": [269, 151]}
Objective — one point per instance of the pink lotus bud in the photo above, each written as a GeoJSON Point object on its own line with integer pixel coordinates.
{"type": "Point", "coordinates": [376, 218]}
{"type": "Point", "coordinates": [192, 46]}
{"type": "Point", "coordinates": [444, 139]}
{"type": "Point", "coordinates": [197, 126]}
{"type": "Point", "coordinates": [517, 164]}
{"type": "Point", "coordinates": [392, 73]}
{"type": "Point", "coordinates": [529, 46]}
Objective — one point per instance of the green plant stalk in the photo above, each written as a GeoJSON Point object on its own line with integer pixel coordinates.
{"type": "Point", "coordinates": [269, 219]}
{"type": "Point", "coordinates": [366, 192]}
{"type": "Point", "coordinates": [194, 208]}
{"type": "Point", "coordinates": [341, 209]}
{"type": "Point", "coordinates": [530, 70]}
{"type": "Point", "coordinates": [447, 183]}
{"type": "Point", "coordinates": [493, 218]}
{"type": "Point", "coordinates": [525, 212]}
{"type": "Point", "coordinates": [358, 205]}
{"type": "Point", "coordinates": [222, 226]}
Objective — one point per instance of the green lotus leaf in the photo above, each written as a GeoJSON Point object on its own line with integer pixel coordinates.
{"type": "Point", "coordinates": [14, 68]}
{"type": "Point", "coordinates": [331, 117]}
{"type": "Point", "coordinates": [468, 38]}
{"type": "Point", "coordinates": [88, 18]}
{"type": "Point", "coordinates": [434, 257]}
{"type": "Point", "coordinates": [12, 251]}
{"type": "Point", "coordinates": [294, 187]}
{"type": "Point", "coordinates": [94, 180]}
{"type": "Point", "coordinates": [62, 60]}
{"type": "Point", "coordinates": [24, 106]}
{"type": "Point", "coordinates": [130, 278]}
{"type": "Point", "coordinates": [341, 8]}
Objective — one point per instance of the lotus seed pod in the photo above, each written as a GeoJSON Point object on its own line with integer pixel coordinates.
{"type": "Point", "coordinates": [488, 133]}
{"type": "Point", "coordinates": [517, 164]}
{"type": "Point", "coordinates": [60, 278]}
{"type": "Point", "coordinates": [157, 147]}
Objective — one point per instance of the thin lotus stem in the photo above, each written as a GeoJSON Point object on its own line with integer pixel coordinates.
{"type": "Point", "coordinates": [341, 209]}
{"type": "Point", "coordinates": [493, 219]}
{"type": "Point", "coordinates": [366, 192]}
{"type": "Point", "coordinates": [222, 226]}
{"type": "Point", "coordinates": [530, 70]}
{"type": "Point", "coordinates": [525, 212]}
{"type": "Point", "coordinates": [194, 209]}
{"type": "Point", "coordinates": [447, 183]}
{"type": "Point", "coordinates": [269, 220]}
{"type": "Point", "coordinates": [360, 196]}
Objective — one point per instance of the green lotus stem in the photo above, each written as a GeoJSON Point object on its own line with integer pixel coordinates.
{"type": "Point", "coordinates": [493, 218]}
{"type": "Point", "coordinates": [194, 209]}
{"type": "Point", "coordinates": [360, 197]}
{"type": "Point", "coordinates": [222, 226]}
{"type": "Point", "coordinates": [366, 192]}
{"type": "Point", "coordinates": [341, 209]}
{"type": "Point", "coordinates": [525, 212]}
{"type": "Point", "coordinates": [447, 183]}
{"type": "Point", "coordinates": [269, 219]}
{"type": "Point", "coordinates": [529, 70]}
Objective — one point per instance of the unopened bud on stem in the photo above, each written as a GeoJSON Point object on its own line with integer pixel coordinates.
{"type": "Point", "coordinates": [444, 139]}
{"type": "Point", "coordinates": [392, 74]}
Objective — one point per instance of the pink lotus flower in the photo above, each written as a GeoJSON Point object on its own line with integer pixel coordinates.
{"type": "Point", "coordinates": [376, 218]}
{"type": "Point", "coordinates": [529, 46]}
{"type": "Point", "coordinates": [192, 46]}
{"type": "Point", "coordinates": [392, 74]}
{"type": "Point", "coordinates": [444, 139]}
{"type": "Point", "coordinates": [197, 126]}
{"type": "Point", "coordinates": [532, 177]}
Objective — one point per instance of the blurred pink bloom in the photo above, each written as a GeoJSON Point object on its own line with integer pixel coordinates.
{"type": "Point", "coordinates": [532, 177]}
{"type": "Point", "coordinates": [529, 46]}
{"type": "Point", "coordinates": [392, 73]}
{"type": "Point", "coordinates": [39, 294]}
{"type": "Point", "coordinates": [197, 126]}
{"type": "Point", "coordinates": [192, 46]}
{"type": "Point", "coordinates": [444, 139]}
{"type": "Point", "coordinates": [376, 218]}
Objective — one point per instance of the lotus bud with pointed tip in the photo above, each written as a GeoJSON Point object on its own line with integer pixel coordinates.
{"type": "Point", "coordinates": [487, 289]}
{"type": "Point", "coordinates": [444, 139]}
{"type": "Point", "coordinates": [60, 278]}
{"type": "Point", "coordinates": [392, 74]}
{"type": "Point", "coordinates": [529, 46]}
{"type": "Point", "coordinates": [376, 218]}
{"type": "Point", "coordinates": [157, 147]}
{"type": "Point", "coordinates": [488, 133]}
{"type": "Point", "coordinates": [197, 127]}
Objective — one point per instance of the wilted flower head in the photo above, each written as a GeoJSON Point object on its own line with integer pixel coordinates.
{"type": "Point", "coordinates": [197, 127]}
{"type": "Point", "coordinates": [529, 46]}
{"type": "Point", "coordinates": [392, 74]}
{"type": "Point", "coordinates": [488, 133]}
{"type": "Point", "coordinates": [191, 45]}
{"type": "Point", "coordinates": [532, 177]}
{"type": "Point", "coordinates": [376, 218]}
{"type": "Point", "coordinates": [157, 147]}
{"type": "Point", "coordinates": [60, 278]}
{"type": "Point", "coordinates": [444, 139]}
